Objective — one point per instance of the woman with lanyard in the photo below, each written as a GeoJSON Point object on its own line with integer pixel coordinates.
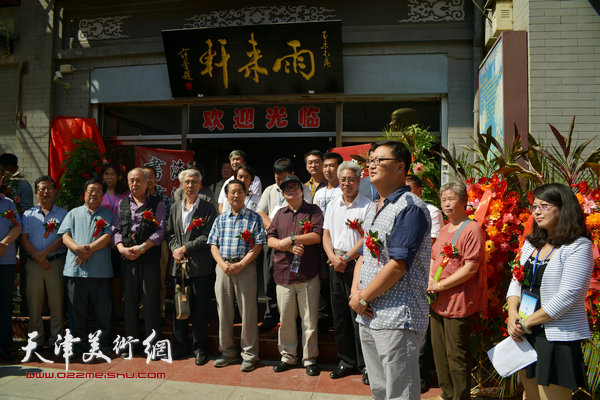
{"type": "Point", "coordinates": [455, 292]}
{"type": "Point", "coordinates": [546, 304]}
{"type": "Point", "coordinates": [245, 173]}
{"type": "Point", "coordinates": [115, 191]}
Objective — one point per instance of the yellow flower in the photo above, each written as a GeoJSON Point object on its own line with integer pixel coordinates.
{"type": "Point", "coordinates": [490, 247]}
{"type": "Point", "coordinates": [492, 231]}
{"type": "Point", "coordinates": [593, 220]}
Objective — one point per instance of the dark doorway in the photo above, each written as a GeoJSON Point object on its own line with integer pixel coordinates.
{"type": "Point", "coordinates": [262, 152]}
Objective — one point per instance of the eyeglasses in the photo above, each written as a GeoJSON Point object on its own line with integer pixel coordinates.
{"type": "Point", "coordinates": [348, 180]}
{"type": "Point", "coordinates": [377, 161]}
{"type": "Point", "coordinates": [542, 207]}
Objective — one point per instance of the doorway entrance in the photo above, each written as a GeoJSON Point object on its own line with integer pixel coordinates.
{"type": "Point", "coordinates": [262, 153]}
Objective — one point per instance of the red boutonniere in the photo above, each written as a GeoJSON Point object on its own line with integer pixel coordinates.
{"type": "Point", "coordinates": [374, 244]}
{"type": "Point", "coordinates": [99, 223]}
{"type": "Point", "coordinates": [10, 215]}
{"type": "Point", "coordinates": [50, 226]}
{"type": "Point", "coordinates": [196, 223]}
{"type": "Point", "coordinates": [356, 225]}
{"type": "Point", "coordinates": [247, 236]}
{"type": "Point", "coordinates": [149, 216]}
{"type": "Point", "coordinates": [449, 251]}
{"type": "Point", "coordinates": [519, 273]}
{"type": "Point", "coordinates": [306, 226]}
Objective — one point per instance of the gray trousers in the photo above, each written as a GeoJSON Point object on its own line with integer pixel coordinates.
{"type": "Point", "coordinates": [52, 280]}
{"type": "Point", "coordinates": [241, 286]}
{"type": "Point", "coordinates": [392, 359]}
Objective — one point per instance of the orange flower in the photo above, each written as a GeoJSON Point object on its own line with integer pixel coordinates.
{"type": "Point", "coordinates": [492, 231]}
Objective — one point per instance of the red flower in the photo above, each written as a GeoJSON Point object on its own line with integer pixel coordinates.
{"type": "Point", "coordinates": [10, 215]}
{"type": "Point", "coordinates": [122, 168]}
{"type": "Point", "coordinates": [247, 237]}
{"type": "Point", "coordinates": [196, 223]}
{"type": "Point", "coordinates": [356, 225]}
{"type": "Point", "coordinates": [450, 251]}
{"type": "Point", "coordinates": [98, 170]}
{"type": "Point", "coordinates": [99, 223]}
{"type": "Point", "coordinates": [530, 197]}
{"type": "Point", "coordinates": [50, 227]}
{"type": "Point", "coordinates": [583, 187]}
{"type": "Point", "coordinates": [519, 273]}
{"type": "Point", "coordinates": [149, 216]}
{"type": "Point", "coordinates": [94, 163]}
{"type": "Point", "coordinates": [374, 244]}
{"type": "Point", "coordinates": [86, 175]}
{"type": "Point", "coordinates": [306, 226]}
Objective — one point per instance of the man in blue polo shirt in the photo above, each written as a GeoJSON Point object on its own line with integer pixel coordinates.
{"type": "Point", "coordinates": [88, 269]}
{"type": "Point", "coordinates": [45, 259]}
{"type": "Point", "coordinates": [10, 228]}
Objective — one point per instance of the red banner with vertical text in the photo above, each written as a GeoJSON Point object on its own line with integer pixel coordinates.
{"type": "Point", "coordinates": [166, 163]}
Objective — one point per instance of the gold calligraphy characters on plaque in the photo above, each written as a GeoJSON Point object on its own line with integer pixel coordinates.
{"type": "Point", "coordinates": [296, 61]}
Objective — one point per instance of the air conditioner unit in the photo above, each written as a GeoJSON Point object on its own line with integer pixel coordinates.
{"type": "Point", "coordinates": [501, 16]}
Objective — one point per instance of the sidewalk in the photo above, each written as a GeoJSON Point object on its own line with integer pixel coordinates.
{"type": "Point", "coordinates": [181, 379]}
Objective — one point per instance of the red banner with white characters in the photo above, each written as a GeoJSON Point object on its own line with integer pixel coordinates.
{"type": "Point", "coordinates": [166, 163]}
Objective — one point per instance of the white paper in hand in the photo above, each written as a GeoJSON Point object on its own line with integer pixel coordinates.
{"type": "Point", "coordinates": [510, 356]}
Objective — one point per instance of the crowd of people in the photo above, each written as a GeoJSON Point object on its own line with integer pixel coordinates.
{"type": "Point", "coordinates": [365, 255]}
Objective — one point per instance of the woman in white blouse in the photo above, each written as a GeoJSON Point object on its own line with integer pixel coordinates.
{"type": "Point", "coordinates": [547, 305]}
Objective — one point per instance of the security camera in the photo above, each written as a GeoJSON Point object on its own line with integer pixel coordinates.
{"type": "Point", "coordinates": [58, 76]}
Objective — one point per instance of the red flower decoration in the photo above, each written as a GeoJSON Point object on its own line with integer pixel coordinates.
{"type": "Point", "coordinates": [149, 216]}
{"type": "Point", "coordinates": [247, 237]}
{"type": "Point", "coordinates": [374, 244]}
{"type": "Point", "coordinates": [10, 215]}
{"type": "Point", "coordinates": [99, 223]}
{"type": "Point", "coordinates": [356, 225]}
{"type": "Point", "coordinates": [86, 175]}
{"type": "Point", "coordinates": [519, 273]}
{"type": "Point", "coordinates": [306, 226]}
{"type": "Point", "coordinates": [196, 223]}
{"type": "Point", "coordinates": [50, 227]}
{"type": "Point", "coordinates": [450, 251]}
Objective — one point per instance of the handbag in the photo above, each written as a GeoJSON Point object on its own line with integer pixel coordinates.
{"type": "Point", "coordinates": [182, 294]}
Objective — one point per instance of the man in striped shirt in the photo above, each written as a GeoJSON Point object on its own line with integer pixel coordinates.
{"type": "Point", "coordinates": [236, 240]}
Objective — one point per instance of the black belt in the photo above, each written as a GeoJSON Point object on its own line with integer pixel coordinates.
{"type": "Point", "coordinates": [51, 258]}
{"type": "Point", "coordinates": [232, 259]}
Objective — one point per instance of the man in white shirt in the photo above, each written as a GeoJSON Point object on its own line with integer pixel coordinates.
{"type": "Point", "coordinates": [331, 162]}
{"type": "Point", "coordinates": [237, 158]}
{"type": "Point", "coordinates": [270, 202]}
{"type": "Point", "coordinates": [324, 196]}
{"type": "Point", "coordinates": [342, 238]}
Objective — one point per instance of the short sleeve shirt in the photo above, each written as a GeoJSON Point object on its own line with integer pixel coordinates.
{"type": "Point", "coordinates": [80, 223]}
{"type": "Point", "coordinates": [33, 225]}
{"type": "Point", "coordinates": [467, 298]}
{"type": "Point", "coordinates": [10, 257]}
{"type": "Point", "coordinates": [402, 223]}
{"type": "Point", "coordinates": [228, 226]}
{"type": "Point", "coordinates": [338, 213]}
{"type": "Point", "coordinates": [324, 196]}
{"type": "Point", "coordinates": [286, 223]}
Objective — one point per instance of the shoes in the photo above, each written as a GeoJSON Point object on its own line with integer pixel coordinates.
{"type": "Point", "coordinates": [201, 359]}
{"type": "Point", "coordinates": [267, 325]}
{"type": "Point", "coordinates": [312, 370]}
{"type": "Point", "coordinates": [224, 360]}
{"type": "Point", "coordinates": [365, 377]}
{"type": "Point", "coordinates": [248, 366]}
{"type": "Point", "coordinates": [282, 366]}
{"type": "Point", "coordinates": [342, 371]}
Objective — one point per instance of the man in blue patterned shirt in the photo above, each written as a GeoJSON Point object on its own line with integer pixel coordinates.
{"type": "Point", "coordinates": [236, 240]}
{"type": "Point", "coordinates": [390, 278]}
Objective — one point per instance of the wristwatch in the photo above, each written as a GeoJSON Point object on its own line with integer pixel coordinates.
{"type": "Point", "coordinates": [346, 257]}
{"type": "Point", "coordinates": [293, 239]}
{"type": "Point", "coordinates": [142, 249]}
{"type": "Point", "coordinates": [362, 302]}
